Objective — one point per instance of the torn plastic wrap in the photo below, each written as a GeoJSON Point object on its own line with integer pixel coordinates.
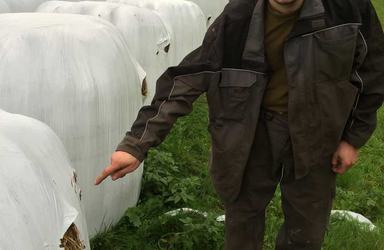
{"type": "Point", "coordinates": [211, 8]}
{"type": "Point", "coordinates": [39, 202]}
{"type": "Point", "coordinates": [184, 19]}
{"type": "Point", "coordinates": [75, 73]}
{"type": "Point", "coordinates": [137, 25]}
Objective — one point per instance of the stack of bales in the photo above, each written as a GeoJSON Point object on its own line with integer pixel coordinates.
{"type": "Point", "coordinates": [76, 74]}
{"type": "Point", "coordinates": [136, 25]}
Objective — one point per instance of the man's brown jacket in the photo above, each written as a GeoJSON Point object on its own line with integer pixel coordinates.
{"type": "Point", "coordinates": [334, 58]}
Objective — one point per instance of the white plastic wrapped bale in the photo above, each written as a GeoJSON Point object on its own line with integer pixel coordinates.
{"type": "Point", "coordinates": [4, 7]}
{"type": "Point", "coordinates": [184, 19]}
{"type": "Point", "coordinates": [39, 197]}
{"type": "Point", "coordinates": [23, 5]}
{"type": "Point", "coordinates": [211, 8]}
{"type": "Point", "coordinates": [136, 24]}
{"type": "Point", "coordinates": [75, 73]}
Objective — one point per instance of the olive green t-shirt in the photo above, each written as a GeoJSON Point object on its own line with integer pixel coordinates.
{"type": "Point", "coordinates": [277, 27]}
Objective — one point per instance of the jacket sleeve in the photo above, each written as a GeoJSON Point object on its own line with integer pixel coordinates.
{"type": "Point", "coordinates": [369, 74]}
{"type": "Point", "coordinates": [176, 90]}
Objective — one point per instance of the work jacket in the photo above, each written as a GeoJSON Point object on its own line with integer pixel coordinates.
{"type": "Point", "coordinates": [334, 59]}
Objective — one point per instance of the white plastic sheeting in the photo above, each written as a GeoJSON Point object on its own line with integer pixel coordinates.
{"type": "Point", "coordinates": [143, 29]}
{"type": "Point", "coordinates": [211, 8]}
{"type": "Point", "coordinates": [4, 7]}
{"type": "Point", "coordinates": [184, 19]}
{"type": "Point", "coordinates": [75, 73]}
{"type": "Point", "coordinates": [349, 215]}
{"type": "Point", "coordinates": [186, 210]}
{"type": "Point", "coordinates": [22, 5]}
{"type": "Point", "coordinates": [39, 199]}
{"type": "Point", "coordinates": [352, 216]}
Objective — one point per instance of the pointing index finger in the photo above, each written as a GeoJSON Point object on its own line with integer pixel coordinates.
{"type": "Point", "coordinates": [112, 168]}
{"type": "Point", "coordinates": [106, 172]}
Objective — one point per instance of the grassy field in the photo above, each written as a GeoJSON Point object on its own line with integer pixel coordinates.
{"type": "Point", "coordinates": [176, 176]}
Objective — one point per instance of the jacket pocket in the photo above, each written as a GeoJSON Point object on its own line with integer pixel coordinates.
{"type": "Point", "coordinates": [234, 90]}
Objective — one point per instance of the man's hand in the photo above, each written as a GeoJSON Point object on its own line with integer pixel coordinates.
{"type": "Point", "coordinates": [122, 163]}
{"type": "Point", "coordinates": [344, 157]}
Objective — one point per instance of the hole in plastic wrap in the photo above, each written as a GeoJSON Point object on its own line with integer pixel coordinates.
{"type": "Point", "coordinates": [71, 239]}
{"type": "Point", "coordinates": [166, 48]}
{"type": "Point", "coordinates": [144, 87]}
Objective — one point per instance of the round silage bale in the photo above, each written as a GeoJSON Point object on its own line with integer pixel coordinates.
{"type": "Point", "coordinates": [184, 19]}
{"type": "Point", "coordinates": [40, 200]}
{"type": "Point", "coordinates": [147, 37]}
{"type": "Point", "coordinates": [75, 73]}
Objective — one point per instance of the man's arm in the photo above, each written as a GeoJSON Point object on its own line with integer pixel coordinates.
{"type": "Point", "coordinates": [176, 90]}
{"type": "Point", "coordinates": [370, 74]}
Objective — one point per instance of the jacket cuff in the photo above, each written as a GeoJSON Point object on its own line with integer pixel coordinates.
{"type": "Point", "coordinates": [353, 139]}
{"type": "Point", "coordinates": [128, 146]}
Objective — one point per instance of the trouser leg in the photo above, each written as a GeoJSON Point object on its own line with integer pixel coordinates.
{"type": "Point", "coordinates": [245, 217]}
{"type": "Point", "coordinates": [306, 203]}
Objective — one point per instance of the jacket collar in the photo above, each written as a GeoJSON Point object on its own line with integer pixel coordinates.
{"type": "Point", "coordinates": [311, 18]}
{"type": "Point", "coordinates": [253, 54]}
{"type": "Point", "coordinates": [311, 8]}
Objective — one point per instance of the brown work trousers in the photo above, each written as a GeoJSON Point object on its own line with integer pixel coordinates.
{"type": "Point", "coordinates": [306, 202]}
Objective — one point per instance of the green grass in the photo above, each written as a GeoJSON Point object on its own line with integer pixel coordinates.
{"type": "Point", "coordinates": [176, 176]}
{"type": "Point", "coordinates": [379, 5]}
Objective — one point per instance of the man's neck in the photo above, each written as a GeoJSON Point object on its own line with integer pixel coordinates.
{"type": "Point", "coordinates": [285, 7]}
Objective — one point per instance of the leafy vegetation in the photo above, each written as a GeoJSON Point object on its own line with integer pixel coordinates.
{"type": "Point", "coordinates": [176, 176]}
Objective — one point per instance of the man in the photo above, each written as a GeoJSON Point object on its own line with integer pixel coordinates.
{"type": "Point", "coordinates": [293, 87]}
